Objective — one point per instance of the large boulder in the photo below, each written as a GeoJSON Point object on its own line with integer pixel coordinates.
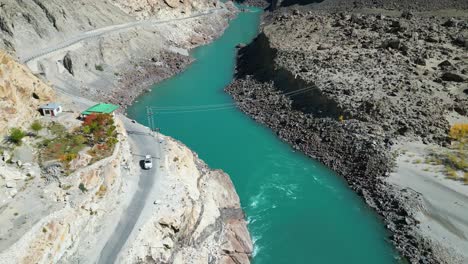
{"type": "Point", "coordinates": [395, 44]}
{"type": "Point", "coordinates": [452, 77]}
{"type": "Point", "coordinates": [461, 41]}
{"type": "Point", "coordinates": [68, 64]}
{"type": "Point", "coordinates": [446, 65]}
{"type": "Point", "coordinates": [450, 23]}
{"type": "Point", "coordinates": [400, 26]}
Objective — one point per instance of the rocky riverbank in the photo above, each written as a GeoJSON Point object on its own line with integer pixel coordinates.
{"type": "Point", "coordinates": [344, 87]}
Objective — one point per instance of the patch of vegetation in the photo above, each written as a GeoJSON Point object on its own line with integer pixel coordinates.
{"type": "Point", "coordinates": [451, 173]}
{"type": "Point", "coordinates": [57, 129]}
{"type": "Point", "coordinates": [64, 148]}
{"type": "Point", "coordinates": [44, 230]}
{"type": "Point", "coordinates": [455, 159]}
{"type": "Point", "coordinates": [99, 67]}
{"type": "Point", "coordinates": [82, 187]}
{"type": "Point", "coordinates": [101, 133]}
{"type": "Point", "coordinates": [102, 191]}
{"type": "Point", "coordinates": [16, 136]}
{"type": "Point", "coordinates": [36, 126]}
{"type": "Point", "coordinates": [97, 131]}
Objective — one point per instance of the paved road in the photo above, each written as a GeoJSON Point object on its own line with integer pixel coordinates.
{"type": "Point", "coordinates": [106, 30]}
{"type": "Point", "coordinates": [142, 144]}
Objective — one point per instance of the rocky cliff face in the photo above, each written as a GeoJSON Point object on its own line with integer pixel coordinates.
{"type": "Point", "coordinates": [145, 8]}
{"type": "Point", "coordinates": [30, 25]}
{"type": "Point", "coordinates": [21, 94]}
{"type": "Point", "coordinates": [33, 24]}
{"type": "Point", "coordinates": [108, 50]}
{"type": "Point", "coordinates": [342, 87]}
{"type": "Point", "coordinates": [54, 215]}
{"type": "Point", "coordinates": [198, 218]}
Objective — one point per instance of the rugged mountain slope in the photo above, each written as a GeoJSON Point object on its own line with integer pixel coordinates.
{"type": "Point", "coordinates": [113, 49]}
{"type": "Point", "coordinates": [32, 24]}
{"type": "Point", "coordinates": [21, 94]}
{"type": "Point", "coordinates": [145, 8]}
{"type": "Point", "coordinates": [29, 25]}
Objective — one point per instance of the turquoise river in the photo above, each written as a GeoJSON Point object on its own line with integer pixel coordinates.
{"type": "Point", "coordinates": [298, 210]}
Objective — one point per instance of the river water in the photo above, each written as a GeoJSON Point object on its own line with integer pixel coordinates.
{"type": "Point", "coordinates": [298, 210]}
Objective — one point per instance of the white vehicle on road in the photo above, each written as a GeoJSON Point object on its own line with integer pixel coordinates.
{"type": "Point", "coordinates": [148, 162]}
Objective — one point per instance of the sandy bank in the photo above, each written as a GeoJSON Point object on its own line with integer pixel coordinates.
{"type": "Point", "coordinates": [440, 205]}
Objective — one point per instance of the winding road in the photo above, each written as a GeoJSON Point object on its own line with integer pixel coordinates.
{"type": "Point", "coordinates": [106, 30]}
{"type": "Point", "coordinates": [142, 143]}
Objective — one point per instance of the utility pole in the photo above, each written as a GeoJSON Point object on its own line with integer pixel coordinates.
{"type": "Point", "coordinates": [152, 126]}
{"type": "Point", "coordinates": [150, 116]}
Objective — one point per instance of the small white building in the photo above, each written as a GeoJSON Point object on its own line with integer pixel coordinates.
{"type": "Point", "coordinates": [51, 109]}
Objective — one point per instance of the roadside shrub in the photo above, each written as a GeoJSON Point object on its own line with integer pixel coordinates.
{"type": "Point", "coordinates": [36, 126]}
{"type": "Point", "coordinates": [78, 139]}
{"type": "Point", "coordinates": [111, 141]}
{"type": "Point", "coordinates": [102, 190]}
{"type": "Point", "coordinates": [459, 132]}
{"type": "Point", "coordinates": [99, 67]}
{"type": "Point", "coordinates": [68, 157]}
{"type": "Point", "coordinates": [16, 136]}
{"type": "Point", "coordinates": [110, 130]}
{"type": "Point", "coordinates": [88, 120]}
{"type": "Point", "coordinates": [82, 187]}
{"type": "Point", "coordinates": [457, 161]}
{"type": "Point", "coordinates": [57, 129]}
{"type": "Point", "coordinates": [86, 130]}
{"type": "Point", "coordinates": [451, 173]}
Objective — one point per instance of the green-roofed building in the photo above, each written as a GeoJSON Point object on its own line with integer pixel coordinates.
{"type": "Point", "coordinates": [100, 108]}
